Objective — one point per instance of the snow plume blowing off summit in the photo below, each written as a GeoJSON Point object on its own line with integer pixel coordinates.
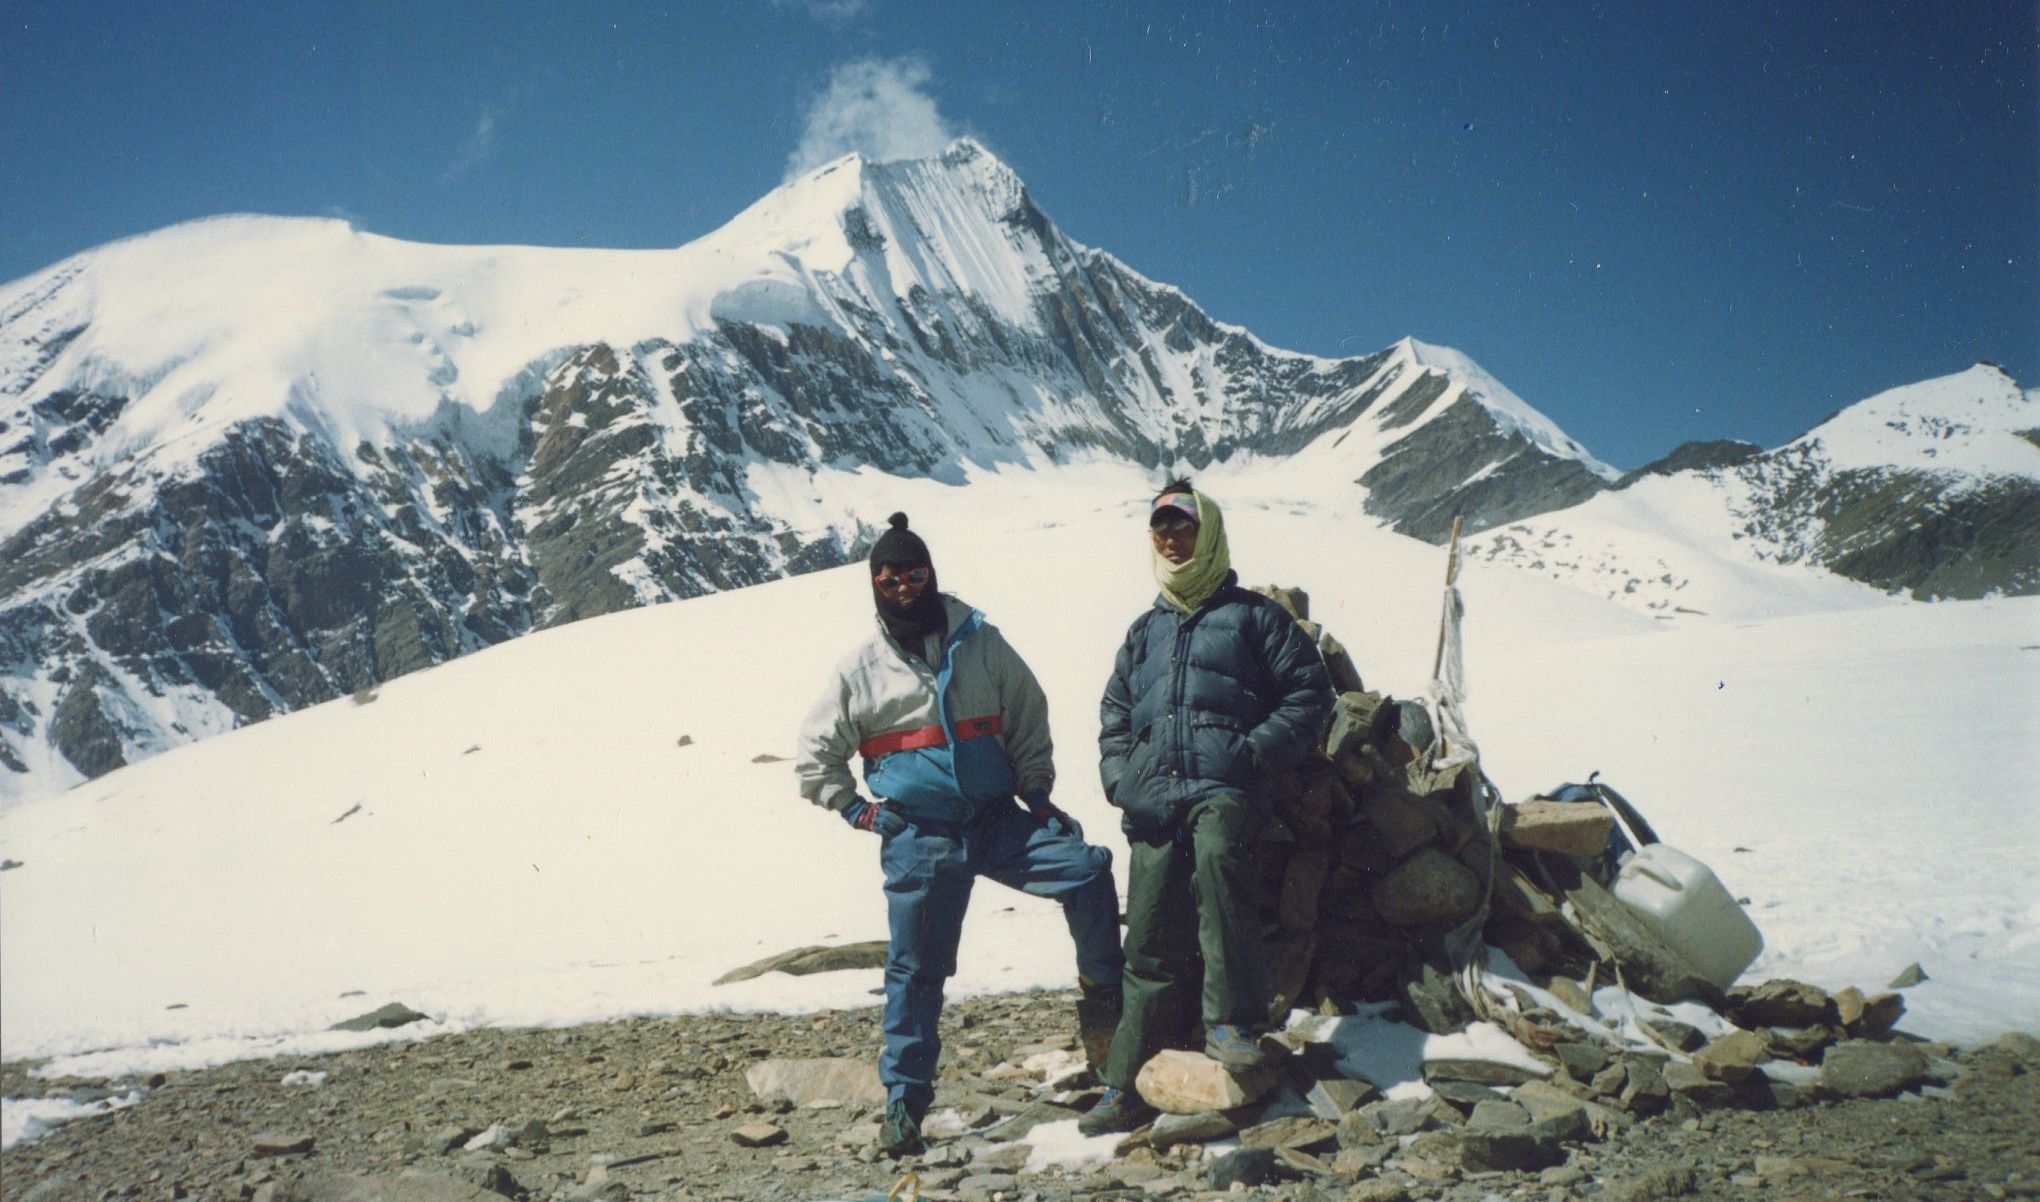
{"type": "Point", "coordinates": [879, 108]}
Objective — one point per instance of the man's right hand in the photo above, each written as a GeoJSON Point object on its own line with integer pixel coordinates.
{"type": "Point", "coordinates": [873, 816]}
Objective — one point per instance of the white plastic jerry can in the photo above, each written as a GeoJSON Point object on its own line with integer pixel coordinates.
{"type": "Point", "coordinates": [1686, 905]}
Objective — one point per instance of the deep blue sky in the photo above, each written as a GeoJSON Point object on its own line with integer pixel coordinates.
{"type": "Point", "coordinates": [1722, 221]}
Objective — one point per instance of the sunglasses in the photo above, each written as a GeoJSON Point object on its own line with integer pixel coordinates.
{"type": "Point", "coordinates": [1171, 524]}
{"type": "Point", "coordinates": [912, 576]}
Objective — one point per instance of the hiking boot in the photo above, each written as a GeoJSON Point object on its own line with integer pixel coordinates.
{"type": "Point", "coordinates": [1235, 1047]}
{"type": "Point", "coordinates": [1097, 1018]}
{"type": "Point", "coordinates": [900, 1134]}
{"type": "Point", "coordinates": [1118, 1110]}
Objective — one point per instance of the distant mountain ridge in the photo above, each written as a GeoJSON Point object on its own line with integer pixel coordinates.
{"type": "Point", "coordinates": [1931, 490]}
{"type": "Point", "coordinates": [248, 464]}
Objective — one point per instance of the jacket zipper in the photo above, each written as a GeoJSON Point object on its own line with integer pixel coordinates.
{"type": "Point", "coordinates": [933, 675]}
{"type": "Point", "coordinates": [1176, 701]}
{"type": "Point", "coordinates": [942, 677]}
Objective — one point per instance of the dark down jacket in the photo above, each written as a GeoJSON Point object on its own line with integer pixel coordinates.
{"type": "Point", "coordinates": [1206, 703]}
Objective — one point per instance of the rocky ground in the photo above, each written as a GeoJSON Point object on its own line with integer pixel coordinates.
{"type": "Point", "coordinates": [661, 1109]}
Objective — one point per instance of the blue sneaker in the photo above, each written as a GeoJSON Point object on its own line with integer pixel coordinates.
{"type": "Point", "coordinates": [1118, 1110]}
{"type": "Point", "coordinates": [1235, 1047]}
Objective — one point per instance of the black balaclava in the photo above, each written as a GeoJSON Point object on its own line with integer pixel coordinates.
{"type": "Point", "coordinates": [900, 548]}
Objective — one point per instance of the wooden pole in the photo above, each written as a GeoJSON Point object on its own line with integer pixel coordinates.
{"type": "Point", "coordinates": [1451, 577]}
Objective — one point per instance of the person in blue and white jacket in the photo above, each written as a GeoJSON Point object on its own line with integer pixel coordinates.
{"type": "Point", "coordinates": [952, 729]}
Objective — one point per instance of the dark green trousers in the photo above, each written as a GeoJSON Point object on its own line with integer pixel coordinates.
{"type": "Point", "coordinates": [1190, 917]}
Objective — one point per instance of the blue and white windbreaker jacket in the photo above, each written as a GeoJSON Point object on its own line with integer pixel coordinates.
{"type": "Point", "coordinates": [937, 742]}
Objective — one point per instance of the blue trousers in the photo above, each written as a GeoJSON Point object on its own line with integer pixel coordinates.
{"type": "Point", "coordinates": [929, 870]}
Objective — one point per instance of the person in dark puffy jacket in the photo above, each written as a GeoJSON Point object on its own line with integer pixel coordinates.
{"type": "Point", "coordinates": [951, 729]}
{"type": "Point", "coordinates": [1215, 688]}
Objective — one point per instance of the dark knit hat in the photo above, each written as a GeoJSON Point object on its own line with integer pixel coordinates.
{"type": "Point", "coordinates": [899, 547]}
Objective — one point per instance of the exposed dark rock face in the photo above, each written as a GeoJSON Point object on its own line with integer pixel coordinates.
{"type": "Point", "coordinates": [1972, 545]}
{"type": "Point", "coordinates": [275, 574]}
{"type": "Point", "coordinates": [1952, 511]}
{"type": "Point", "coordinates": [1254, 400]}
{"type": "Point", "coordinates": [82, 729]}
{"type": "Point", "coordinates": [1460, 463]}
{"type": "Point", "coordinates": [1695, 457]}
{"type": "Point", "coordinates": [272, 577]}
{"type": "Point", "coordinates": [1909, 531]}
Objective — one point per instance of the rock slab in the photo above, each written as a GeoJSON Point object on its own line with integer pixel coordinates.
{"type": "Point", "coordinates": [396, 1014]}
{"type": "Point", "coordinates": [1172, 1129]}
{"type": "Point", "coordinates": [1862, 1069]}
{"type": "Point", "coordinates": [1180, 1082]}
{"type": "Point", "coordinates": [1549, 1103]}
{"type": "Point", "coordinates": [807, 1082]}
{"type": "Point", "coordinates": [1691, 1082]}
{"type": "Point", "coordinates": [1571, 828]}
{"type": "Point", "coordinates": [1247, 1167]}
{"type": "Point", "coordinates": [1480, 1072]}
{"type": "Point", "coordinates": [758, 1135]}
{"type": "Point", "coordinates": [1429, 887]}
{"type": "Point", "coordinates": [1301, 1133]}
{"type": "Point", "coordinates": [1504, 1149]}
{"type": "Point", "coordinates": [1734, 1056]}
{"type": "Point", "coordinates": [1779, 1003]}
{"type": "Point", "coordinates": [1335, 1097]}
{"type": "Point", "coordinates": [802, 961]}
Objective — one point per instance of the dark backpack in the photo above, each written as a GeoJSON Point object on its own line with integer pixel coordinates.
{"type": "Point", "coordinates": [1629, 832]}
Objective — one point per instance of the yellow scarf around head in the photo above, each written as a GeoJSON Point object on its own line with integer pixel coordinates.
{"type": "Point", "coordinates": [1189, 584]}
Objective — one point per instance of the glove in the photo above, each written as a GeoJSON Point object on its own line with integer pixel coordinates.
{"type": "Point", "coordinates": [873, 816]}
{"type": "Point", "coordinates": [1051, 817]}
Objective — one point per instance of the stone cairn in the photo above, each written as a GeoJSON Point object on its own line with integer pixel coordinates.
{"type": "Point", "coordinates": [1371, 862]}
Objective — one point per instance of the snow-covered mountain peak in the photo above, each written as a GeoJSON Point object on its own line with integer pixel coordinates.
{"type": "Point", "coordinates": [1931, 489]}
{"type": "Point", "coordinates": [802, 218]}
{"type": "Point", "coordinates": [1976, 421]}
{"type": "Point", "coordinates": [208, 323]}
{"type": "Point", "coordinates": [1511, 410]}
{"type": "Point", "coordinates": [855, 203]}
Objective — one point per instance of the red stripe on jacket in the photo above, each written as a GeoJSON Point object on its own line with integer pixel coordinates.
{"type": "Point", "coordinates": [928, 736]}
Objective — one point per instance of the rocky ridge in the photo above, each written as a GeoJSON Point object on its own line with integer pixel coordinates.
{"type": "Point", "coordinates": [1931, 490]}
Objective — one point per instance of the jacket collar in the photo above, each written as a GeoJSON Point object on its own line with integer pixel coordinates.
{"type": "Point", "coordinates": [956, 616]}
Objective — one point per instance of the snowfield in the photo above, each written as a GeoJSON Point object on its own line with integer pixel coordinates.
{"type": "Point", "coordinates": [588, 822]}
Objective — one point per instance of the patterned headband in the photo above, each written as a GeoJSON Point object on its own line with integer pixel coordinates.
{"type": "Point", "coordinates": [1182, 503]}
